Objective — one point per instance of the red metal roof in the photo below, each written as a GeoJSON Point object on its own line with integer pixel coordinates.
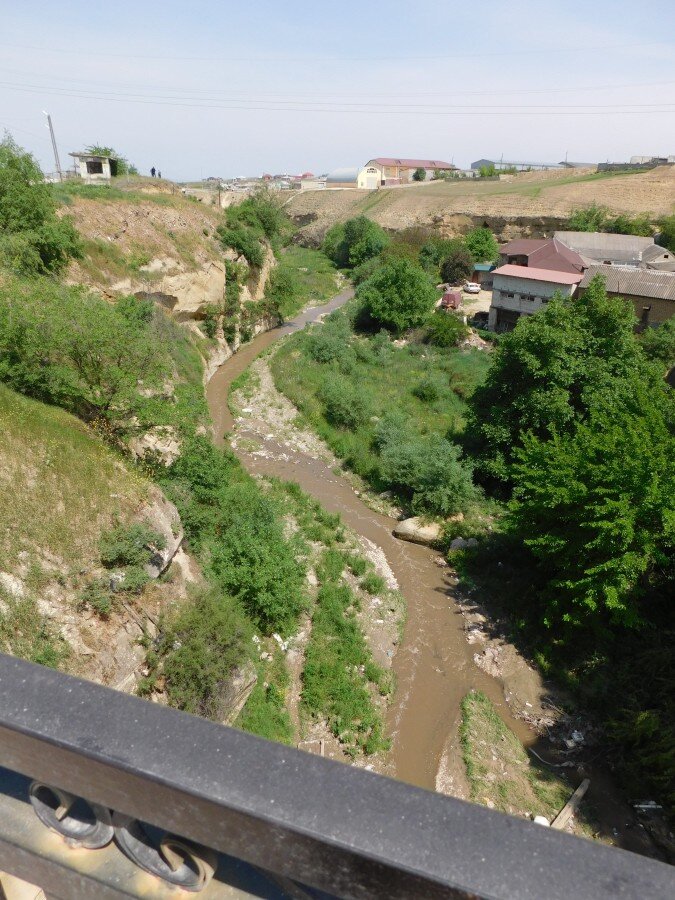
{"type": "Point", "coordinates": [545, 254]}
{"type": "Point", "coordinates": [549, 275]}
{"type": "Point", "coordinates": [412, 163]}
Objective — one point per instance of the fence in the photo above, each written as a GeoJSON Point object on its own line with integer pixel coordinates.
{"type": "Point", "coordinates": [246, 817]}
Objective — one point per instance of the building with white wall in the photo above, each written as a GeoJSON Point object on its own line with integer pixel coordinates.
{"type": "Point", "coordinates": [94, 169]}
{"type": "Point", "coordinates": [521, 291]}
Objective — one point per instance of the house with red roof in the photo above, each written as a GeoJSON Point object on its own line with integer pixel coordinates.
{"type": "Point", "coordinates": [384, 171]}
{"type": "Point", "coordinates": [523, 290]}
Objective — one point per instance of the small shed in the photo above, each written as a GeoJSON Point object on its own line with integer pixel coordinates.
{"type": "Point", "coordinates": [95, 169]}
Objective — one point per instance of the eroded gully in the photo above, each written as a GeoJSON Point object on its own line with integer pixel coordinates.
{"type": "Point", "coordinates": [434, 665]}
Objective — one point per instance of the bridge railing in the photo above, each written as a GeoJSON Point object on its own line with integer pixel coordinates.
{"type": "Point", "coordinates": [228, 814]}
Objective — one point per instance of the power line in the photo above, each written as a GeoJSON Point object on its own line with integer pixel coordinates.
{"type": "Point", "coordinates": [80, 52]}
{"type": "Point", "coordinates": [340, 107]}
{"type": "Point", "coordinates": [461, 111]}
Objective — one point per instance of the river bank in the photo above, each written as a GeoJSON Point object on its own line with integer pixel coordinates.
{"type": "Point", "coordinates": [449, 647]}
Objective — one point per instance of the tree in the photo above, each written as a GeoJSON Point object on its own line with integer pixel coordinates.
{"type": "Point", "coordinates": [666, 236]}
{"type": "Point", "coordinates": [398, 296]}
{"type": "Point", "coordinates": [640, 225]}
{"type": "Point", "coordinates": [419, 174]}
{"type": "Point", "coordinates": [457, 266]}
{"type": "Point", "coordinates": [597, 508]}
{"type": "Point", "coordinates": [65, 346]}
{"type": "Point", "coordinates": [353, 242]}
{"type": "Point", "coordinates": [488, 171]}
{"type": "Point", "coordinates": [590, 218]}
{"type": "Point", "coordinates": [33, 239]}
{"type": "Point", "coordinates": [546, 373]}
{"type": "Point", "coordinates": [482, 245]}
{"type": "Point", "coordinates": [659, 343]}
{"type": "Point", "coordinates": [121, 165]}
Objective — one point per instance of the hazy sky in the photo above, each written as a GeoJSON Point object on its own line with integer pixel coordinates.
{"type": "Point", "coordinates": [220, 88]}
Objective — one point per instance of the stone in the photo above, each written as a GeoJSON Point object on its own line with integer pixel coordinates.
{"type": "Point", "coordinates": [11, 584]}
{"type": "Point", "coordinates": [232, 699]}
{"type": "Point", "coordinates": [162, 516]}
{"type": "Point", "coordinates": [542, 820]}
{"type": "Point", "coordinates": [418, 532]}
{"type": "Point", "coordinates": [160, 442]}
{"type": "Point", "coordinates": [460, 543]}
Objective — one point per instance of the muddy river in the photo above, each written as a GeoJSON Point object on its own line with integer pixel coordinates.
{"type": "Point", "coordinates": [434, 666]}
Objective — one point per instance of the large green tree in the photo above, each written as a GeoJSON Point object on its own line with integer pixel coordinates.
{"type": "Point", "coordinates": [399, 295]}
{"type": "Point", "coordinates": [353, 242]}
{"type": "Point", "coordinates": [597, 508]}
{"type": "Point", "coordinates": [33, 239]}
{"type": "Point", "coordinates": [482, 245]}
{"type": "Point", "coordinates": [547, 373]}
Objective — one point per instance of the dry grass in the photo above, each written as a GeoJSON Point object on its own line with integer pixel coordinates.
{"type": "Point", "coordinates": [59, 488]}
{"type": "Point", "coordinates": [527, 195]}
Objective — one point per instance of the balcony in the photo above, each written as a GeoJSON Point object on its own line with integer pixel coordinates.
{"type": "Point", "coordinates": [230, 815]}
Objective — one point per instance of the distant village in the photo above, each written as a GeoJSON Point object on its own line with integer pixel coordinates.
{"type": "Point", "coordinates": [385, 171]}
{"type": "Point", "coordinates": [529, 272]}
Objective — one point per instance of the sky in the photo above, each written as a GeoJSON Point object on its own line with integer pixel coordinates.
{"type": "Point", "coordinates": [204, 88]}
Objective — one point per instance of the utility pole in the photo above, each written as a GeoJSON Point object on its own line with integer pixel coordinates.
{"type": "Point", "coordinates": [56, 152]}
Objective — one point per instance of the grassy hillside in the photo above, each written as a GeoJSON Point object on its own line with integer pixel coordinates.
{"type": "Point", "coordinates": [60, 489]}
{"type": "Point", "coordinates": [545, 196]}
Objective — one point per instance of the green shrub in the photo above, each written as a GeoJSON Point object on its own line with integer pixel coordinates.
{"type": "Point", "coordinates": [251, 560]}
{"type": "Point", "coordinates": [33, 240]}
{"type": "Point", "coordinates": [364, 270]}
{"type": "Point", "coordinates": [427, 390]}
{"type": "Point", "coordinates": [445, 329]}
{"type": "Point", "coordinates": [357, 565]}
{"type": "Point", "coordinates": [65, 346]}
{"type": "Point", "coordinates": [352, 243]}
{"type": "Point", "coordinates": [345, 404]}
{"type": "Point", "coordinates": [426, 469]}
{"type": "Point", "coordinates": [199, 648]}
{"type": "Point", "coordinates": [457, 266]}
{"type": "Point", "coordinates": [398, 296]}
{"type": "Point", "coordinates": [373, 583]}
{"type": "Point", "coordinates": [482, 245]}
{"type": "Point", "coordinates": [282, 291]}
{"type": "Point", "coordinates": [130, 545]}
{"type": "Point", "coordinates": [244, 241]}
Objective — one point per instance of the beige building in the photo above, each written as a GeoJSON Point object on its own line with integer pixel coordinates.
{"type": "Point", "coordinates": [387, 170]}
{"type": "Point", "coordinates": [94, 169]}
{"type": "Point", "coordinates": [652, 293]}
{"type": "Point", "coordinates": [521, 291]}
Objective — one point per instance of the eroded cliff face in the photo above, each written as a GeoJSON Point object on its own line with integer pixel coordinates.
{"type": "Point", "coordinates": [165, 249]}
{"type": "Point", "coordinates": [61, 490]}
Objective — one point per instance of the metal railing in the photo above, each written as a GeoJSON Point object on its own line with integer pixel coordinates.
{"type": "Point", "coordinates": [236, 804]}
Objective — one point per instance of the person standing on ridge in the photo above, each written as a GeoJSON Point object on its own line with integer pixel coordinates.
{"type": "Point", "coordinates": [152, 171]}
{"type": "Point", "coordinates": [159, 174]}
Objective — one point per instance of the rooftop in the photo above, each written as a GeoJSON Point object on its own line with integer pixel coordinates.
{"type": "Point", "coordinates": [549, 275]}
{"type": "Point", "coordinates": [597, 246]}
{"type": "Point", "coordinates": [350, 173]}
{"type": "Point", "coordinates": [84, 155]}
{"type": "Point", "coordinates": [546, 254]}
{"type": "Point", "coordinates": [412, 163]}
{"type": "Point", "coordinates": [634, 281]}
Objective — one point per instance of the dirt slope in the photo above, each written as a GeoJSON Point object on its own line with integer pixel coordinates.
{"type": "Point", "coordinates": [531, 203]}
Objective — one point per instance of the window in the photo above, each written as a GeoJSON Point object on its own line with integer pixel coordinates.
{"type": "Point", "coordinates": [94, 167]}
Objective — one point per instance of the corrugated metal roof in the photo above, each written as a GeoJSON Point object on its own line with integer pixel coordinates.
{"type": "Point", "coordinates": [635, 282]}
{"type": "Point", "coordinates": [412, 163]}
{"type": "Point", "coordinates": [523, 246]}
{"type": "Point", "coordinates": [347, 174]}
{"type": "Point", "coordinates": [597, 246]}
{"type": "Point", "coordinates": [530, 274]}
